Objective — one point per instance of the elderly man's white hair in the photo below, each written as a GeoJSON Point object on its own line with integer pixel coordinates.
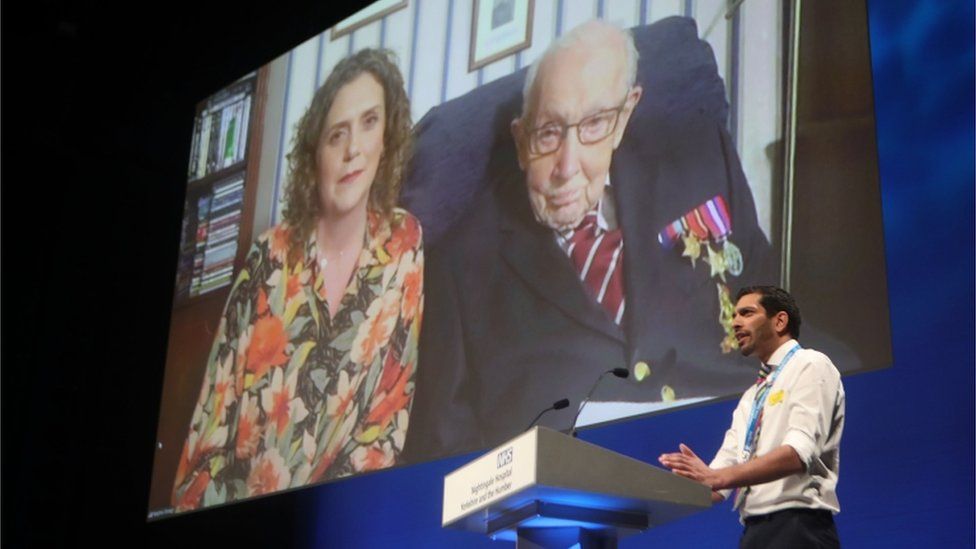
{"type": "Point", "coordinates": [593, 34]}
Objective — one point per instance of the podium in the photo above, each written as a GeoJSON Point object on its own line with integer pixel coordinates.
{"type": "Point", "coordinates": [547, 489]}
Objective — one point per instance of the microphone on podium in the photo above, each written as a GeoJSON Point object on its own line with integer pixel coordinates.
{"type": "Point", "coordinates": [619, 372]}
{"type": "Point", "coordinates": [558, 405]}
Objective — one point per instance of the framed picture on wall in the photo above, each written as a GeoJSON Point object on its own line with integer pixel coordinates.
{"type": "Point", "coordinates": [499, 28]}
{"type": "Point", "coordinates": [375, 12]}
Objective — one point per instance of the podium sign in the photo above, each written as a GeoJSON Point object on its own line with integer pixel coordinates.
{"type": "Point", "coordinates": [543, 480]}
{"type": "Point", "coordinates": [506, 470]}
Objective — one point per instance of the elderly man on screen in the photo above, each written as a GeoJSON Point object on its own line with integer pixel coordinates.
{"type": "Point", "coordinates": [593, 252]}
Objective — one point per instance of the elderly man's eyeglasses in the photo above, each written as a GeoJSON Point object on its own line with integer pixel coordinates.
{"type": "Point", "coordinates": [547, 139]}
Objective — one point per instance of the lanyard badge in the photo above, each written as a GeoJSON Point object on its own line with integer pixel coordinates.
{"type": "Point", "coordinates": [755, 417]}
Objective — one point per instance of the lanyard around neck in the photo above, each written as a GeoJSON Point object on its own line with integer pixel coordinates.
{"type": "Point", "coordinates": [755, 418]}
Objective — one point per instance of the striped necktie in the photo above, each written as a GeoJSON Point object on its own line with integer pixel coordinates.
{"type": "Point", "coordinates": [764, 370]}
{"type": "Point", "coordinates": [598, 256]}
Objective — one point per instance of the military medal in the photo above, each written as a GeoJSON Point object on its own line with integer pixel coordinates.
{"type": "Point", "coordinates": [696, 225]}
{"type": "Point", "coordinates": [717, 263]}
{"type": "Point", "coordinates": [728, 344]}
{"type": "Point", "coordinates": [710, 225]}
{"type": "Point", "coordinates": [726, 310]}
{"type": "Point", "coordinates": [715, 214]}
{"type": "Point", "coordinates": [716, 217]}
{"type": "Point", "coordinates": [733, 258]}
{"type": "Point", "coordinates": [670, 233]}
{"type": "Point", "coordinates": [692, 248]}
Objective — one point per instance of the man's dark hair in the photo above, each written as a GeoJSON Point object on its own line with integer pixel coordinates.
{"type": "Point", "coordinates": [774, 300]}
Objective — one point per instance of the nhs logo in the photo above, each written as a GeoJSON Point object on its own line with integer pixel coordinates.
{"type": "Point", "coordinates": [505, 457]}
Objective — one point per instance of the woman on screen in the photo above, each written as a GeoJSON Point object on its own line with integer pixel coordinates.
{"type": "Point", "coordinates": [311, 372]}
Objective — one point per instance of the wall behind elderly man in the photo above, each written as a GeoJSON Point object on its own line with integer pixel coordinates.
{"type": "Point", "coordinates": [437, 32]}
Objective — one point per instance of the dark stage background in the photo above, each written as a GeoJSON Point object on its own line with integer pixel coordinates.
{"type": "Point", "coordinates": [97, 108]}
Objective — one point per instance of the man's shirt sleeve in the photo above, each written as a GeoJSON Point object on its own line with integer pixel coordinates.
{"type": "Point", "coordinates": [728, 454]}
{"type": "Point", "coordinates": [811, 407]}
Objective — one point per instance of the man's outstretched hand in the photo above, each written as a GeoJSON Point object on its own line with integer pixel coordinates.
{"type": "Point", "coordinates": [687, 464]}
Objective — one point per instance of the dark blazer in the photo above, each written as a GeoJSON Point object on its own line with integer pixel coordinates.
{"type": "Point", "coordinates": [509, 328]}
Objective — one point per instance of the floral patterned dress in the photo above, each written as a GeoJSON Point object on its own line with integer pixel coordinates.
{"type": "Point", "coordinates": [292, 396]}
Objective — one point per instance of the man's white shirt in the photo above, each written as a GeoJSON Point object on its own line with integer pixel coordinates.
{"type": "Point", "coordinates": [804, 409]}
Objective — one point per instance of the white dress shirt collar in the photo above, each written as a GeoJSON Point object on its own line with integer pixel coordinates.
{"type": "Point", "coordinates": [780, 353]}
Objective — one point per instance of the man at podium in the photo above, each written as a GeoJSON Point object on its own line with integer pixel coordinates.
{"type": "Point", "coordinates": [781, 454]}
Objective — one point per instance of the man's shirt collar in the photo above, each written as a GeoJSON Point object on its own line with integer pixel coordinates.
{"type": "Point", "coordinates": [780, 353]}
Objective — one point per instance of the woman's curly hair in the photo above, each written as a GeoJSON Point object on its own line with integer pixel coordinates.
{"type": "Point", "coordinates": [303, 204]}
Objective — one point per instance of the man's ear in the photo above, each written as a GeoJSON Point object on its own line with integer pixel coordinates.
{"type": "Point", "coordinates": [633, 98]}
{"type": "Point", "coordinates": [518, 137]}
{"type": "Point", "coordinates": [780, 321]}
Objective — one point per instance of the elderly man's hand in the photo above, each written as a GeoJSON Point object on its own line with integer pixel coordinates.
{"type": "Point", "coordinates": [685, 463]}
